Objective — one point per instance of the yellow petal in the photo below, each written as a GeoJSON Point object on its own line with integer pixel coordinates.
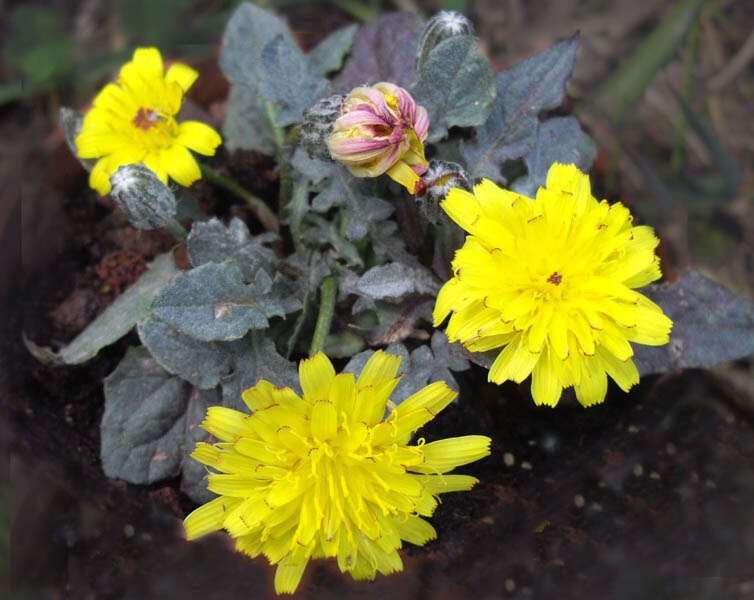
{"type": "Point", "coordinates": [225, 423]}
{"type": "Point", "coordinates": [180, 165]}
{"type": "Point", "coordinates": [546, 386]}
{"type": "Point", "coordinates": [593, 386]}
{"type": "Point", "coordinates": [446, 455]}
{"type": "Point", "coordinates": [288, 576]}
{"type": "Point", "coordinates": [324, 419]}
{"type": "Point", "coordinates": [208, 517]}
{"type": "Point", "coordinates": [182, 74]}
{"type": "Point", "coordinates": [316, 374]}
{"type": "Point", "coordinates": [199, 137]}
{"type": "Point", "coordinates": [404, 175]}
{"type": "Point", "coordinates": [416, 530]}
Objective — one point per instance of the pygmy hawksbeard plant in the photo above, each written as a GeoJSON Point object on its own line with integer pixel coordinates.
{"type": "Point", "coordinates": [551, 280]}
{"type": "Point", "coordinates": [381, 130]}
{"type": "Point", "coordinates": [133, 120]}
{"type": "Point", "coordinates": [327, 474]}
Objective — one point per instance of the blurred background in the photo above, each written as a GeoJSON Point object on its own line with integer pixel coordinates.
{"type": "Point", "coordinates": [666, 89]}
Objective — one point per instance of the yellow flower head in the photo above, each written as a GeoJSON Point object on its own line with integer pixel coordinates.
{"type": "Point", "coordinates": [550, 279]}
{"type": "Point", "coordinates": [327, 474]}
{"type": "Point", "coordinates": [133, 120]}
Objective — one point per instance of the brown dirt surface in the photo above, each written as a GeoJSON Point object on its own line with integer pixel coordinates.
{"type": "Point", "coordinates": [646, 496]}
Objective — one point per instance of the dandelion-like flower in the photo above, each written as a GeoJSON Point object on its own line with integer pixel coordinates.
{"type": "Point", "coordinates": [133, 120]}
{"type": "Point", "coordinates": [381, 130]}
{"type": "Point", "coordinates": [551, 280]}
{"type": "Point", "coordinates": [327, 474]}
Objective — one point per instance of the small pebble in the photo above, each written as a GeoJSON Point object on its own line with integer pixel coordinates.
{"type": "Point", "coordinates": [526, 465]}
{"type": "Point", "coordinates": [508, 459]}
{"type": "Point", "coordinates": [695, 477]}
{"type": "Point", "coordinates": [710, 484]}
{"type": "Point", "coordinates": [579, 501]}
{"type": "Point", "coordinates": [532, 442]}
{"type": "Point", "coordinates": [730, 419]}
{"type": "Point", "coordinates": [670, 448]}
{"type": "Point", "coordinates": [596, 507]}
{"type": "Point", "coordinates": [638, 470]}
{"type": "Point", "coordinates": [602, 484]}
{"type": "Point", "coordinates": [146, 537]}
{"type": "Point", "coordinates": [633, 429]}
{"type": "Point", "coordinates": [129, 530]}
{"type": "Point", "coordinates": [510, 585]}
{"type": "Point", "coordinates": [654, 475]}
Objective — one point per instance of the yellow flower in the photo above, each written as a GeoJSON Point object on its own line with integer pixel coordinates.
{"type": "Point", "coordinates": [133, 120]}
{"type": "Point", "coordinates": [327, 474]}
{"type": "Point", "coordinates": [550, 279]}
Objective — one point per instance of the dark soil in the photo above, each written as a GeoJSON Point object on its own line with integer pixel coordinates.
{"type": "Point", "coordinates": [646, 496]}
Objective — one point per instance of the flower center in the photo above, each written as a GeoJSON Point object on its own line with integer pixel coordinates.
{"type": "Point", "coordinates": [555, 278]}
{"type": "Point", "coordinates": [146, 118]}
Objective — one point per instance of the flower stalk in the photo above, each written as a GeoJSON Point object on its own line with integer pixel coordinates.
{"type": "Point", "coordinates": [326, 311]}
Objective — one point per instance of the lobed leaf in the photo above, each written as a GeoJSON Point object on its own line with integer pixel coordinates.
{"type": "Point", "coordinates": [150, 419]}
{"type": "Point", "coordinates": [212, 302]}
{"type": "Point", "coordinates": [395, 280]}
{"type": "Point", "coordinates": [523, 91]}
{"type": "Point", "coordinates": [384, 50]}
{"type": "Point", "coordinates": [202, 364]}
{"type": "Point", "coordinates": [559, 139]}
{"type": "Point", "coordinates": [329, 54]}
{"type": "Point", "coordinates": [711, 325]}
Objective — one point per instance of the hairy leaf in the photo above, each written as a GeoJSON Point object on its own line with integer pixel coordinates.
{"type": "Point", "coordinates": [711, 325]}
{"type": "Point", "coordinates": [246, 125]}
{"type": "Point", "coordinates": [456, 86]}
{"type": "Point", "coordinates": [211, 241]}
{"type": "Point", "coordinates": [117, 319]}
{"type": "Point", "coordinates": [71, 122]}
{"type": "Point", "coordinates": [328, 55]}
{"type": "Point", "coordinates": [248, 31]}
{"type": "Point", "coordinates": [535, 85]}
{"type": "Point", "coordinates": [202, 364]}
{"type": "Point", "coordinates": [212, 302]}
{"type": "Point", "coordinates": [395, 280]}
{"type": "Point", "coordinates": [255, 357]}
{"type": "Point", "coordinates": [287, 78]}
{"type": "Point", "coordinates": [559, 139]}
{"type": "Point", "coordinates": [145, 429]}
{"type": "Point", "coordinates": [384, 50]}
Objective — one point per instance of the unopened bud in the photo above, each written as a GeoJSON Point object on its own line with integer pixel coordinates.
{"type": "Point", "coordinates": [444, 25]}
{"type": "Point", "coordinates": [142, 197]}
{"type": "Point", "coordinates": [435, 185]}
{"type": "Point", "coordinates": [381, 130]}
{"type": "Point", "coordinates": [318, 124]}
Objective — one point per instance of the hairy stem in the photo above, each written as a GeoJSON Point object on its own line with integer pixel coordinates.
{"type": "Point", "coordinates": [326, 311]}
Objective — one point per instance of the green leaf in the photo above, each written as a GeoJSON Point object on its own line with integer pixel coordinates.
{"type": "Point", "coordinates": [456, 86]}
{"type": "Point", "coordinates": [202, 364]}
{"type": "Point", "coordinates": [146, 201]}
{"type": "Point", "coordinates": [420, 367]}
{"type": "Point", "coordinates": [255, 358]}
{"type": "Point", "coordinates": [711, 325]}
{"type": "Point", "coordinates": [395, 280]}
{"type": "Point", "coordinates": [149, 417]}
{"type": "Point", "coordinates": [246, 125]}
{"type": "Point", "coordinates": [287, 78]}
{"type": "Point", "coordinates": [315, 169]}
{"type": "Point", "coordinates": [248, 31]}
{"type": "Point", "coordinates": [211, 241]}
{"type": "Point", "coordinates": [384, 50]}
{"type": "Point", "coordinates": [117, 319]}
{"type": "Point", "coordinates": [212, 302]}
{"type": "Point", "coordinates": [328, 55]}
{"type": "Point", "coordinates": [523, 91]}
{"type": "Point", "coordinates": [629, 81]}
{"type": "Point", "coordinates": [559, 139]}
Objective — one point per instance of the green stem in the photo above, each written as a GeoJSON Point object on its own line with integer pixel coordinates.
{"type": "Point", "coordinates": [258, 207]}
{"type": "Point", "coordinates": [177, 230]}
{"type": "Point", "coordinates": [326, 311]}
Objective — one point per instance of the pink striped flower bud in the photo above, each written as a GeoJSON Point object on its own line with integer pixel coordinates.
{"type": "Point", "coordinates": [381, 130]}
